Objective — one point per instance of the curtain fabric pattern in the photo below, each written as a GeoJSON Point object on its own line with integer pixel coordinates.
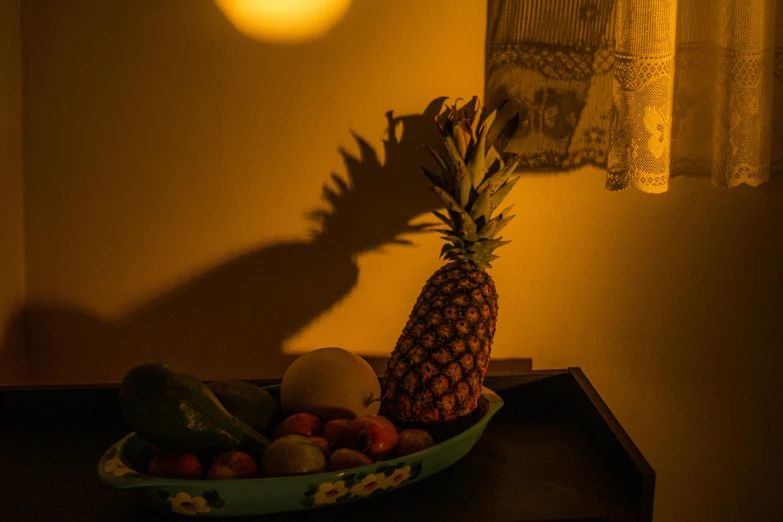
{"type": "Point", "coordinates": [647, 89]}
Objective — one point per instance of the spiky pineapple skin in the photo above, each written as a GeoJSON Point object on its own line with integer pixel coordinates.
{"type": "Point", "coordinates": [437, 368]}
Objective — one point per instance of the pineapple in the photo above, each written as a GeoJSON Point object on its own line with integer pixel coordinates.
{"type": "Point", "coordinates": [435, 373]}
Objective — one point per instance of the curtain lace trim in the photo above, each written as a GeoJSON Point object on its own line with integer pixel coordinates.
{"type": "Point", "coordinates": [610, 84]}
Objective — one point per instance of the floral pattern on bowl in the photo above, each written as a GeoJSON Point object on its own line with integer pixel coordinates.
{"type": "Point", "coordinates": [184, 504]}
{"type": "Point", "coordinates": [112, 462]}
{"type": "Point", "coordinates": [357, 485]}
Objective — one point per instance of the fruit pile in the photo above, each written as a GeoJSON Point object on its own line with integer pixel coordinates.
{"type": "Point", "coordinates": [303, 444]}
{"type": "Point", "coordinates": [326, 419]}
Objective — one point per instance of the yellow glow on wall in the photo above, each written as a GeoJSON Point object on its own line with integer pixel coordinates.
{"type": "Point", "coordinates": [284, 20]}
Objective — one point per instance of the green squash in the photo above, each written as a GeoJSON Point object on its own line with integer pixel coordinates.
{"type": "Point", "coordinates": [249, 403]}
{"type": "Point", "coordinates": [171, 408]}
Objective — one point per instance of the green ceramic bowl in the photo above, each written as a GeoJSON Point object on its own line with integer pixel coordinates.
{"type": "Point", "coordinates": [274, 495]}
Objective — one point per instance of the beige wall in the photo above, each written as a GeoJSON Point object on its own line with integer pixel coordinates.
{"type": "Point", "coordinates": [13, 368]}
{"type": "Point", "coordinates": [170, 162]}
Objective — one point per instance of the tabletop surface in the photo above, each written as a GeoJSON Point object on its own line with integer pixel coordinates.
{"type": "Point", "coordinates": [535, 462]}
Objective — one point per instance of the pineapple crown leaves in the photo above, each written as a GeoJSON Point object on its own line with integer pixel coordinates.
{"type": "Point", "coordinates": [472, 181]}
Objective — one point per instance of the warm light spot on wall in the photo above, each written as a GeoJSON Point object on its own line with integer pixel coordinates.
{"type": "Point", "coordinates": [284, 20]}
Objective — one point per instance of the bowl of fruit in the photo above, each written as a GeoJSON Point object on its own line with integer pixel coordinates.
{"type": "Point", "coordinates": [232, 448]}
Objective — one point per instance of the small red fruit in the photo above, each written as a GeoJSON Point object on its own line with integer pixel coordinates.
{"type": "Point", "coordinates": [232, 465]}
{"type": "Point", "coordinates": [411, 441]}
{"type": "Point", "coordinates": [338, 433]}
{"type": "Point", "coordinates": [305, 424]}
{"type": "Point", "coordinates": [374, 435]}
{"type": "Point", "coordinates": [323, 444]}
{"type": "Point", "coordinates": [176, 465]}
{"type": "Point", "coordinates": [346, 458]}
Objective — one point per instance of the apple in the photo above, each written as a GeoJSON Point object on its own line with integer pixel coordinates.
{"type": "Point", "coordinates": [374, 435]}
{"type": "Point", "coordinates": [338, 433]}
{"type": "Point", "coordinates": [323, 444]}
{"type": "Point", "coordinates": [292, 455]}
{"type": "Point", "coordinates": [232, 465]}
{"type": "Point", "coordinates": [305, 424]}
{"type": "Point", "coordinates": [412, 440]}
{"type": "Point", "coordinates": [346, 458]}
{"type": "Point", "coordinates": [175, 465]}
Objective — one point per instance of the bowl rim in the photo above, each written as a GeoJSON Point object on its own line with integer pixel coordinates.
{"type": "Point", "coordinates": [139, 479]}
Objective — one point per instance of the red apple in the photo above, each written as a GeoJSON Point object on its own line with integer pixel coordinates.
{"type": "Point", "coordinates": [374, 435]}
{"type": "Point", "coordinates": [411, 441]}
{"type": "Point", "coordinates": [232, 465]}
{"type": "Point", "coordinates": [346, 458]}
{"type": "Point", "coordinates": [305, 424]}
{"type": "Point", "coordinates": [175, 465]}
{"type": "Point", "coordinates": [338, 433]}
{"type": "Point", "coordinates": [323, 444]}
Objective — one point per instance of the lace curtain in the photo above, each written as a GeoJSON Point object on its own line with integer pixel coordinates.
{"type": "Point", "coordinates": [647, 89]}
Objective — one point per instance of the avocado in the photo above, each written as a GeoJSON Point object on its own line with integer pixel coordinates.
{"type": "Point", "coordinates": [249, 403]}
{"type": "Point", "coordinates": [169, 407]}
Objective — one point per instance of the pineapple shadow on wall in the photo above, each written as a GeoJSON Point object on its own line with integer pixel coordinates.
{"type": "Point", "coordinates": [232, 320]}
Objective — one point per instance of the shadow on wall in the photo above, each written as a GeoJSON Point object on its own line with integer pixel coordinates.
{"type": "Point", "coordinates": [232, 321]}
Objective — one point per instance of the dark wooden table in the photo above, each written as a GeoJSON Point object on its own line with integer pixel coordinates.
{"type": "Point", "coordinates": [553, 453]}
